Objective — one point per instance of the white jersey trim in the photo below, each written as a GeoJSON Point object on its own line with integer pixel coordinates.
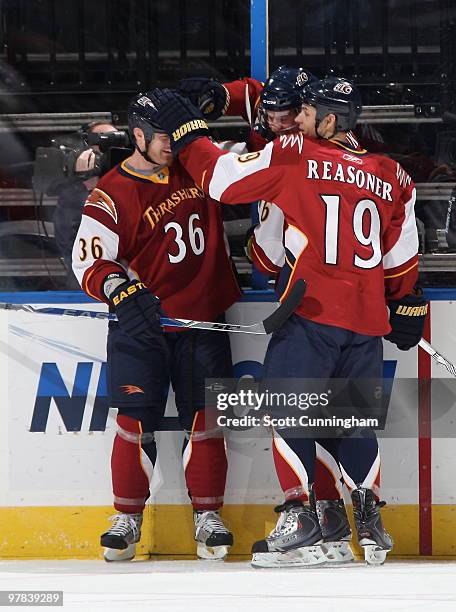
{"type": "Point", "coordinates": [269, 233]}
{"type": "Point", "coordinates": [231, 168]}
{"type": "Point", "coordinates": [108, 241]}
{"type": "Point", "coordinates": [407, 245]}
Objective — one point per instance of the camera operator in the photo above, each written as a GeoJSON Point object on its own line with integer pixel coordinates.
{"type": "Point", "coordinates": [71, 198]}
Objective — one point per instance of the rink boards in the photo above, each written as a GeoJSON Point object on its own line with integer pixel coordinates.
{"type": "Point", "coordinates": [57, 430]}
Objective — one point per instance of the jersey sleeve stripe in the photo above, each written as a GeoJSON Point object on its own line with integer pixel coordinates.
{"type": "Point", "coordinates": [403, 271]}
{"type": "Point", "coordinates": [202, 179]}
{"type": "Point", "coordinates": [85, 285]}
{"type": "Point", "coordinates": [288, 262]}
{"type": "Point", "coordinates": [248, 108]}
{"type": "Point", "coordinates": [262, 262]}
{"type": "Point", "coordinates": [406, 246]}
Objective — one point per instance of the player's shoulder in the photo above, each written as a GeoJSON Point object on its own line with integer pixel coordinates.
{"type": "Point", "coordinates": [392, 168]}
{"type": "Point", "coordinates": [241, 83]}
{"type": "Point", "coordinates": [112, 194]}
{"type": "Point", "coordinates": [115, 181]}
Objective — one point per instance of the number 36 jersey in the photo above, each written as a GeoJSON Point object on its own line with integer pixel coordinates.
{"type": "Point", "coordinates": [349, 227]}
{"type": "Point", "coordinates": [162, 229]}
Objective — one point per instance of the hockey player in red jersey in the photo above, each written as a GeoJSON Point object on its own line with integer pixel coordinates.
{"type": "Point", "coordinates": [150, 240]}
{"type": "Point", "coordinates": [266, 249]}
{"type": "Point", "coordinates": [271, 110]}
{"type": "Point", "coordinates": [351, 235]}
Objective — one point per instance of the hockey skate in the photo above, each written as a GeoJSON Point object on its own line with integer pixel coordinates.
{"type": "Point", "coordinates": [372, 536]}
{"type": "Point", "coordinates": [120, 540]}
{"type": "Point", "coordinates": [212, 537]}
{"type": "Point", "coordinates": [336, 531]}
{"type": "Point", "coordinates": [294, 541]}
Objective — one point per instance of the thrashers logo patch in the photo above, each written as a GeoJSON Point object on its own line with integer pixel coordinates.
{"type": "Point", "coordinates": [130, 389]}
{"type": "Point", "coordinates": [100, 199]}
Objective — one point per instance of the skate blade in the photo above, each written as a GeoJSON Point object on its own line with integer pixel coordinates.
{"type": "Point", "coordinates": [373, 554]}
{"type": "Point", "coordinates": [113, 554]}
{"type": "Point", "coordinates": [211, 552]}
{"type": "Point", "coordinates": [306, 556]}
{"type": "Point", "coordinates": [338, 553]}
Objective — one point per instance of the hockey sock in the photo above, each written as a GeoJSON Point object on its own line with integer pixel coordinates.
{"type": "Point", "coordinates": [132, 460]}
{"type": "Point", "coordinates": [328, 477]}
{"type": "Point", "coordinates": [359, 460]}
{"type": "Point", "coordinates": [205, 465]}
{"type": "Point", "coordinates": [294, 460]}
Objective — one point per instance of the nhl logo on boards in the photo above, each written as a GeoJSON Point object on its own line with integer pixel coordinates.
{"type": "Point", "coordinates": [344, 88]}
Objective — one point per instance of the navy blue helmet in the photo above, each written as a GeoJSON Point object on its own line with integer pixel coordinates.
{"type": "Point", "coordinates": [141, 114]}
{"type": "Point", "coordinates": [337, 96]}
{"type": "Point", "coordinates": [282, 90]}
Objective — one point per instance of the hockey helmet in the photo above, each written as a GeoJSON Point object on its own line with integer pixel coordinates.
{"type": "Point", "coordinates": [283, 88]}
{"type": "Point", "coordinates": [337, 96]}
{"type": "Point", "coordinates": [141, 114]}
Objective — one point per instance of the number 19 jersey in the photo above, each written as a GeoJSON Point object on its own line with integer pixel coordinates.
{"type": "Point", "coordinates": [162, 229]}
{"type": "Point", "coordinates": [349, 228]}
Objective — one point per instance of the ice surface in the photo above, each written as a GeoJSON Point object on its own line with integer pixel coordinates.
{"type": "Point", "coordinates": [171, 586]}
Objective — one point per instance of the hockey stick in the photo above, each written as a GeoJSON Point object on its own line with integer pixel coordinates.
{"type": "Point", "coordinates": [267, 326]}
{"type": "Point", "coordinates": [437, 357]}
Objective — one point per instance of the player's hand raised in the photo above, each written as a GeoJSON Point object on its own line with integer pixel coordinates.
{"type": "Point", "coordinates": [177, 116]}
{"type": "Point", "coordinates": [209, 95]}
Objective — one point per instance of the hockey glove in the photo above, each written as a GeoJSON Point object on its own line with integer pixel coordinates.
{"type": "Point", "coordinates": [137, 310]}
{"type": "Point", "coordinates": [178, 117]}
{"type": "Point", "coordinates": [407, 317]}
{"type": "Point", "coordinates": [208, 95]}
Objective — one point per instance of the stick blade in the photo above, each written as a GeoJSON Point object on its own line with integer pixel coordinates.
{"type": "Point", "coordinates": [286, 308]}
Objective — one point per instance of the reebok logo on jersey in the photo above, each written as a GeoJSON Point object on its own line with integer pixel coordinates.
{"type": "Point", "coordinates": [130, 389]}
{"type": "Point", "coordinates": [101, 200]}
{"type": "Point", "coordinates": [190, 126]}
{"type": "Point", "coordinates": [352, 158]}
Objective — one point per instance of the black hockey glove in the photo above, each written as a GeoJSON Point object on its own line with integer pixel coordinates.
{"type": "Point", "coordinates": [178, 117]}
{"type": "Point", "coordinates": [137, 310]}
{"type": "Point", "coordinates": [208, 95]}
{"type": "Point", "coordinates": [407, 317]}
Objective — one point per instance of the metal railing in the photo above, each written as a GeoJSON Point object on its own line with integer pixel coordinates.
{"type": "Point", "coordinates": [50, 122]}
{"type": "Point", "coordinates": [24, 197]}
{"type": "Point", "coordinates": [68, 122]}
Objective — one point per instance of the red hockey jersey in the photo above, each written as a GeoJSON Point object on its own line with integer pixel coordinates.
{"type": "Point", "coordinates": [350, 223]}
{"type": "Point", "coordinates": [243, 100]}
{"type": "Point", "coordinates": [160, 229]}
